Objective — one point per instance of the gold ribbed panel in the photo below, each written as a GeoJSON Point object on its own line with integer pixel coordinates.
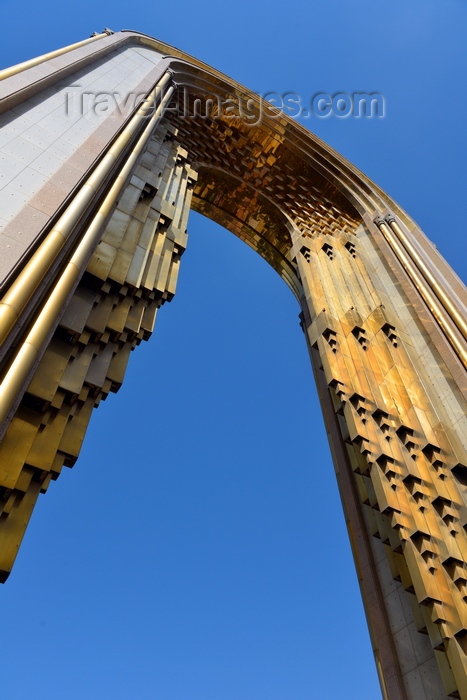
{"type": "Point", "coordinates": [132, 272]}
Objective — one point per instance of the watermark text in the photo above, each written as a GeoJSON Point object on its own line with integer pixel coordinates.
{"type": "Point", "coordinates": [249, 109]}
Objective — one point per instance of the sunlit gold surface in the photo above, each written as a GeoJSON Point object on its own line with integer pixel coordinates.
{"type": "Point", "coordinates": [103, 323]}
{"type": "Point", "coordinates": [431, 293]}
{"type": "Point", "coordinates": [29, 278]}
{"type": "Point", "coordinates": [455, 309]}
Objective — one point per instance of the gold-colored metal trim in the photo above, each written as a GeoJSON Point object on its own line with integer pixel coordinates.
{"type": "Point", "coordinates": [31, 63]}
{"type": "Point", "coordinates": [444, 320]}
{"type": "Point", "coordinates": [458, 318]}
{"type": "Point", "coordinates": [34, 271]}
{"type": "Point", "coordinates": [31, 346]}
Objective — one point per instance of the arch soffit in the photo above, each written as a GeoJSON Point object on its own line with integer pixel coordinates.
{"type": "Point", "coordinates": [265, 181]}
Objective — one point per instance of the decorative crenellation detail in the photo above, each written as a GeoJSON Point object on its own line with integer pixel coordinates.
{"type": "Point", "coordinates": [390, 332]}
{"type": "Point", "coordinates": [331, 337]}
{"type": "Point", "coordinates": [132, 272]}
{"type": "Point", "coordinates": [350, 246]}
{"type": "Point", "coordinates": [256, 160]}
{"type": "Point", "coordinates": [329, 250]}
{"type": "Point", "coordinates": [360, 336]}
{"type": "Point", "coordinates": [407, 467]}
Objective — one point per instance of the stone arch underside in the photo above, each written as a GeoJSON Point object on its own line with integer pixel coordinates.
{"type": "Point", "coordinates": [380, 310]}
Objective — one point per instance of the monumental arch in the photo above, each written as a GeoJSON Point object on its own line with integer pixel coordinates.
{"type": "Point", "coordinates": [93, 219]}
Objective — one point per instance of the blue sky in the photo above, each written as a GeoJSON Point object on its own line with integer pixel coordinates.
{"type": "Point", "coordinates": [197, 551]}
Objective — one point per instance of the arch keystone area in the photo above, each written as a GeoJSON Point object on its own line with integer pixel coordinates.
{"type": "Point", "coordinates": [121, 135]}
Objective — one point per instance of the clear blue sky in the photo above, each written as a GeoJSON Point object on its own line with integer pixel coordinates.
{"type": "Point", "coordinates": [197, 551]}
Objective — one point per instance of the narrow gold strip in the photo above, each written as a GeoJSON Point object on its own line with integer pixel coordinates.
{"type": "Point", "coordinates": [458, 318]}
{"type": "Point", "coordinates": [20, 67]}
{"type": "Point", "coordinates": [35, 270]}
{"type": "Point", "coordinates": [426, 293]}
{"type": "Point", "coordinates": [31, 346]}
